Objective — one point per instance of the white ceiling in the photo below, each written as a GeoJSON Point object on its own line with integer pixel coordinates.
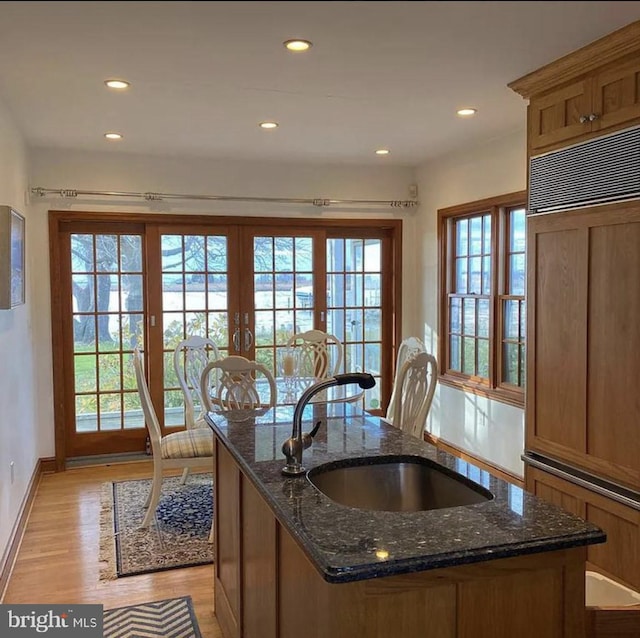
{"type": "Point", "coordinates": [203, 74]}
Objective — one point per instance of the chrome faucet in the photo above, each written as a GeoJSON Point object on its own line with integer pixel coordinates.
{"type": "Point", "coordinates": [293, 447]}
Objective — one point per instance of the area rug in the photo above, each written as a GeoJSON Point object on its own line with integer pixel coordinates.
{"type": "Point", "coordinates": [179, 536]}
{"type": "Point", "coordinates": [171, 618]}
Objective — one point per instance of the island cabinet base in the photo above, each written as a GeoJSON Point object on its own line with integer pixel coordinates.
{"type": "Point", "coordinates": [266, 587]}
{"type": "Point", "coordinates": [528, 597]}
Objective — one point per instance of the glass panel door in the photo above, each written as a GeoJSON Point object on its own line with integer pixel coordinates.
{"type": "Point", "coordinates": [106, 284]}
{"type": "Point", "coordinates": [354, 306]}
{"type": "Point", "coordinates": [247, 287]}
{"type": "Point", "coordinates": [196, 300]}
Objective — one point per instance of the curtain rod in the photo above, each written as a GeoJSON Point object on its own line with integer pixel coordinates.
{"type": "Point", "coordinates": [153, 197]}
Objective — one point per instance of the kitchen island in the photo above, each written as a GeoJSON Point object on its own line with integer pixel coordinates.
{"type": "Point", "coordinates": [292, 562]}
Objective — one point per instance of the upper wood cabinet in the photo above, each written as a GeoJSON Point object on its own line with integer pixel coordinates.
{"type": "Point", "coordinates": [587, 93]}
{"type": "Point", "coordinates": [601, 101]}
{"type": "Point", "coordinates": [559, 115]}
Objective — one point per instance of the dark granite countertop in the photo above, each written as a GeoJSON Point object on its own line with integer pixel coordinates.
{"type": "Point", "coordinates": [347, 544]}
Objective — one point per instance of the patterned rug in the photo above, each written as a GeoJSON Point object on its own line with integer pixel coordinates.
{"type": "Point", "coordinates": [179, 536]}
{"type": "Point", "coordinates": [171, 618]}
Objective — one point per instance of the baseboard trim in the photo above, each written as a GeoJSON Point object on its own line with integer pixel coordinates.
{"type": "Point", "coordinates": [481, 463]}
{"type": "Point", "coordinates": [15, 538]}
{"type": "Point", "coordinates": [48, 465]}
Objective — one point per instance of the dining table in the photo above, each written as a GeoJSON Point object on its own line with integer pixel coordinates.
{"type": "Point", "coordinates": [289, 390]}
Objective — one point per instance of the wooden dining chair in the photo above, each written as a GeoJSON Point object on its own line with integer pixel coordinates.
{"type": "Point", "coordinates": [409, 347]}
{"type": "Point", "coordinates": [184, 449]}
{"type": "Point", "coordinates": [190, 358]}
{"type": "Point", "coordinates": [319, 354]}
{"type": "Point", "coordinates": [235, 383]}
{"type": "Point", "coordinates": [416, 387]}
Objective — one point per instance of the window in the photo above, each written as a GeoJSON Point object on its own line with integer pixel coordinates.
{"type": "Point", "coordinates": [482, 307]}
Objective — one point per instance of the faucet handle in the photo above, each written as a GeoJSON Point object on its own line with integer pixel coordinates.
{"type": "Point", "coordinates": [315, 429]}
{"type": "Point", "coordinates": [307, 437]}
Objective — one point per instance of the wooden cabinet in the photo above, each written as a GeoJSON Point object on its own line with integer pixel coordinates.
{"type": "Point", "coordinates": [245, 554]}
{"type": "Point", "coordinates": [587, 93]}
{"type": "Point", "coordinates": [558, 116]}
{"type": "Point", "coordinates": [601, 101]}
{"type": "Point", "coordinates": [583, 339]}
{"type": "Point", "coordinates": [583, 298]}
{"type": "Point", "coordinates": [619, 557]}
{"type": "Point", "coordinates": [227, 542]}
{"type": "Point", "coordinates": [482, 600]}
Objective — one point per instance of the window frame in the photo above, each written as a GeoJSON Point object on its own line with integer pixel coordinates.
{"type": "Point", "coordinates": [498, 208]}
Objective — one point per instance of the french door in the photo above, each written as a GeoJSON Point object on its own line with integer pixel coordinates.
{"type": "Point", "coordinates": [249, 287]}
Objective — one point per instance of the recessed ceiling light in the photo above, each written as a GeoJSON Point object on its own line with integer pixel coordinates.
{"type": "Point", "coordinates": [113, 136]}
{"type": "Point", "coordinates": [297, 45]}
{"type": "Point", "coordinates": [466, 112]}
{"type": "Point", "coordinates": [268, 124]}
{"type": "Point", "coordinates": [383, 151]}
{"type": "Point", "coordinates": [117, 84]}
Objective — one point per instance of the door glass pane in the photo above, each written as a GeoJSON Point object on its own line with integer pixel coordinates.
{"type": "Point", "coordinates": [133, 416]}
{"type": "Point", "coordinates": [106, 257]}
{"type": "Point", "coordinates": [373, 324]}
{"type": "Point", "coordinates": [106, 323]}
{"type": "Point", "coordinates": [86, 413]}
{"type": "Point", "coordinates": [130, 253]}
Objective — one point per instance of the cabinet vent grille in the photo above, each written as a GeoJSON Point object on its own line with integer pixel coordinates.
{"type": "Point", "coordinates": [603, 169]}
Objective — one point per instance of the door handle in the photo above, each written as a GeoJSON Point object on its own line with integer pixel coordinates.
{"type": "Point", "coordinates": [248, 339]}
{"type": "Point", "coordinates": [236, 332]}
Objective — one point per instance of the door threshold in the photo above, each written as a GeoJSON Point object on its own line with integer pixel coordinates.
{"type": "Point", "coordinates": [107, 459]}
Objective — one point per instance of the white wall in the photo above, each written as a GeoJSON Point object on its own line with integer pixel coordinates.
{"type": "Point", "coordinates": [143, 173]}
{"type": "Point", "coordinates": [488, 429]}
{"type": "Point", "coordinates": [19, 382]}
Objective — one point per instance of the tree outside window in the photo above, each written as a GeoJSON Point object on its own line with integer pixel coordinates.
{"type": "Point", "coordinates": [482, 300]}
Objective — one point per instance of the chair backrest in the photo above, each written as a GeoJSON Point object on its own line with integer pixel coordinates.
{"type": "Point", "coordinates": [409, 348]}
{"type": "Point", "coordinates": [150, 417]}
{"type": "Point", "coordinates": [416, 386]}
{"type": "Point", "coordinates": [238, 385]}
{"type": "Point", "coordinates": [320, 354]}
{"type": "Point", "coordinates": [190, 358]}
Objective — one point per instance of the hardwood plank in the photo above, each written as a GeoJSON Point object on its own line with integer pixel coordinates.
{"type": "Point", "coordinates": [58, 558]}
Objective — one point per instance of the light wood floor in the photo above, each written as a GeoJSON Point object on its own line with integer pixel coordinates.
{"type": "Point", "coordinates": [58, 558]}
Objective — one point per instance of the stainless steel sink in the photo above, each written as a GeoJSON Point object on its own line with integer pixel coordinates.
{"type": "Point", "coordinates": [395, 484]}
